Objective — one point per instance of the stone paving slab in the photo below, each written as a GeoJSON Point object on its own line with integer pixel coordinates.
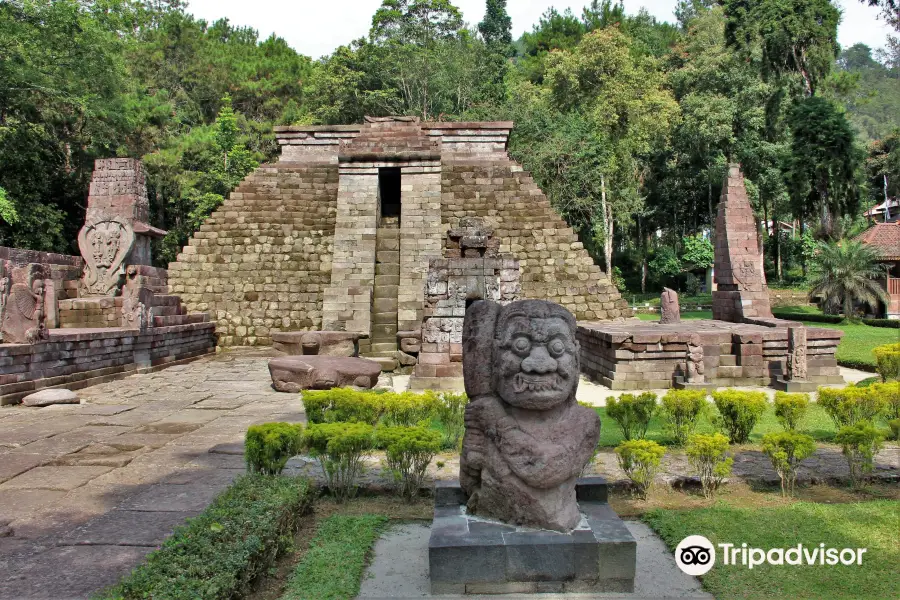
{"type": "Point", "coordinates": [127, 528]}
{"type": "Point", "coordinates": [87, 490]}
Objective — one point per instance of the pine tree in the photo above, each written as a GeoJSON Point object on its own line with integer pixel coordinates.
{"type": "Point", "coordinates": [496, 28]}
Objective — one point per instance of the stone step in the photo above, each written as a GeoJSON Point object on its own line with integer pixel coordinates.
{"type": "Point", "coordinates": [387, 269]}
{"type": "Point", "coordinates": [388, 363]}
{"type": "Point", "coordinates": [380, 347]}
{"type": "Point", "coordinates": [388, 256]}
{"type": "Point", "coordinates": [384, 330]}
{"type": "Point", "coordinates": [386, 318]}
{"type": "Point", "coordinates": [385, 291]}
{"type": "Point", "coordinates": [387, 280]}
{"type": "Point", "coordinates": [384, 305]}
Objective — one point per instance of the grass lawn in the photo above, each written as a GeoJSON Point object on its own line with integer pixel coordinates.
{"type": "Point", "coordinates": [815, 423]}
{"type": "Point", "coordinates": [872, 525]}
{"type": "Point", "coordinates": [334, 563]}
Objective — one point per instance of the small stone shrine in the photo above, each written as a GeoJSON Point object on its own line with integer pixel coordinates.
{"type": "Point", "coordinates": [742, 291]}
{"type": "Point", "coordinates": [472, 270]}
{"type": "Point", "coordinates": [115, 231]}
{"type": "Point", "coordinates": [742, 345]}
{"type": "Point", "coordinates": [69, 321]}
{"type": "Point", "coordinates": [520, 519]}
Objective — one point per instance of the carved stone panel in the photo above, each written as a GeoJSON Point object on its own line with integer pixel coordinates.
{"type": "Point", "coordinates": [23, 307]}
{"type": "Point", "coordinates": [136, 302]}
{"type": "Point", "coordinates": [105, 245]}
{"type": "Point", "coordinates": [796, 359]}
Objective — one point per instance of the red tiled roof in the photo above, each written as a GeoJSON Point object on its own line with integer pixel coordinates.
{"type": "Point", "coordinates": [885, 237]}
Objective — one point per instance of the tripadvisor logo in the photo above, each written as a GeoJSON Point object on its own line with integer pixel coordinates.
{"type": "Point", "coordinates": [695, 555]}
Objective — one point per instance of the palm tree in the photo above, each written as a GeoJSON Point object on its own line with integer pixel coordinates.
{"type": "Point", "coordinates": [845, 272]}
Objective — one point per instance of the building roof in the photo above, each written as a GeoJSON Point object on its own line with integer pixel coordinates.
{"type": "Point", "coordinates": [885, 237]}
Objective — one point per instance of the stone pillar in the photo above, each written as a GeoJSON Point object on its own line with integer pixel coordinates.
{"type": "Point", "coordinates": [421, 238]}
{"type": "Point", "coordinates": [741, 283]}
{"type": "Point", "coordinates": [116, 230]}
{"type": "Point", "coordinates": [348, 298]}
{"type": "Point", "coordinates": [796, 358]}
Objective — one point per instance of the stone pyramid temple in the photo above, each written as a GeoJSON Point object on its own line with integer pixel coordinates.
{"type": "Point", "coordinates": [388, 229]}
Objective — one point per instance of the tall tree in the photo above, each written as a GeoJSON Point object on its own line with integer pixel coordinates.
{"type": "Point", "coordinates": [496, 27]}
{"type": "Point", "coordinates": [623, 98]}
{"type": "Point", "coordinates": [797, 37]}
{"type": "Point", "coordinates": [824, 162]}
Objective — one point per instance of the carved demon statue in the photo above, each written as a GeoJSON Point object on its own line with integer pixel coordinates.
{"type": "Point", "coordinates": [526, 438]}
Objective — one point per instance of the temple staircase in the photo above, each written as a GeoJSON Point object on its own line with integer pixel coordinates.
{"type": "Point", "coordinates": [384, 298]}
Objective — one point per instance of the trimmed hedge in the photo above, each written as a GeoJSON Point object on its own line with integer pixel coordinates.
{"type": "Point", "coordinates": [220, 553]}
{"type": "Point", "coordinates": [813, 318]}
{"type": "Point", "coordinates": [268, 446]}
{"type": "Point", "coordinates": [889, 323]}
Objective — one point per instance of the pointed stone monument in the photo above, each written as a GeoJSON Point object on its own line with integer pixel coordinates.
{"type": "Point", "coordinates": [742, 292]}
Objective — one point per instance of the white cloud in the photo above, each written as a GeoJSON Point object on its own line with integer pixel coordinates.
{"type": "Point", "coordinates": [317, 27]}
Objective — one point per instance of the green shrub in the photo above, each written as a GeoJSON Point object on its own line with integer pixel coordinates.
{"type": "Point", "coordinates": [269, 446]}
{"type": "Point", "coordinates": [339, 448]}
{"type": "Point", "coordinates": [887, 361]}
{"type": "Point", "coordinates": [889, 323]}
{"type": "Point", "coordinates": [681, 409]}
{"type": "Point", "coordinates": [786, 450]}
{"type": "Point", "coordinates": [894, 424]}
{"type": "Point", "coordinates": [408, 452]}
{"type": "Point", "coordinates": [632, 413]}
{"type": "Point", "coordinates": [890, 394]}
{"type": "Point", "coordinates": [708, 455]}
{"type": "Point", "coordinates": [408, 409]}
{"type": "Point", "coordinates": [739, 412]}
{"type": "Point", "coordinates": [851, 405]}
{"type": "Point", "coordinates": [790, 408]}
{"type": "Point", "coordinates": [811, 317]}
{"type": "Point", "coordinates": [451, 412]}
{"type": "Point", "coordinates": [640, 459]}
{"type": "Point", "coordinates": [343, 405]}
{"type": "Point", "coordinates": [218, 554]}
{"type": "Point", "coordinates": [860, 443]}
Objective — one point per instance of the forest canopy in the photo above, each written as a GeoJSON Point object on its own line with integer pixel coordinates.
{"type": "Point", "coordinates": [626, 122]}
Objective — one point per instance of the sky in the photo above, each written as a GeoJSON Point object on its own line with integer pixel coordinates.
{"type": "Point", "coordinates": [316, 27]}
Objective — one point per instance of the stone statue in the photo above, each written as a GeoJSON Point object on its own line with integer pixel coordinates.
{"type": "Point", "coordinates": [669, 310]}
{"type": "Point", "coordinates": [526, 438]}
{"type": "Point", "coordinates": [693, 367]}
{"type": "Point", "coordinates": [23, 313]}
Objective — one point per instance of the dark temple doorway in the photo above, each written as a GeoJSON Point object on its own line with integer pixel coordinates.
{"type": "Point", "coordinates": [389, 196]}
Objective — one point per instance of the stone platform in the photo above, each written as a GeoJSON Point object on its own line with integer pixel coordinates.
{"type": "Point", "coordinates": [472, 555]}
{"type": "Point", "coordinates": [634, 355]}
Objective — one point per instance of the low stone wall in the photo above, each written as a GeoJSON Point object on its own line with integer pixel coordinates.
{"type": "Point", "coordinates": [77, 358]}
{"type": "Point", "coordinates": [632, 356]}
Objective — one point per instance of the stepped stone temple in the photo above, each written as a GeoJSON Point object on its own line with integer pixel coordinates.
{"type": "Point", "coordinates": [342, 232]}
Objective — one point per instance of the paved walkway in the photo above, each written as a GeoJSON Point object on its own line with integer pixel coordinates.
{"type": "Point", "coordinates": [86, 491]}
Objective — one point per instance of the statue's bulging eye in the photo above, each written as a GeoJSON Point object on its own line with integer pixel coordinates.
{"type": "Point", "coordinates": [521, 345]}
{"type": "Point", "coordinates": [556, 347]}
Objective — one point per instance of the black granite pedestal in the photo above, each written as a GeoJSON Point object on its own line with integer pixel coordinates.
{"type": "Point", "coordinates": [473, 555]}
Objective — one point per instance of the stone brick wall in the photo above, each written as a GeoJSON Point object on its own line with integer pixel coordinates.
{"type": "Point", "coordinates": [261, 262]}
{"type": "Point", "coordinates": [555, 265]}
{"type": "Point", "coordinates": [78, 358]}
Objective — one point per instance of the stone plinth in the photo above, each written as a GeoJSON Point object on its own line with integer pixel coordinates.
{"type": "Point", "coordinates": [295, 373]}
{"type": "Point", "coordinates": [742, 291]}
{"type": "Point", "coordinates": [472, 555]}
{"type": "Point", "coordinates": [646, 355]}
